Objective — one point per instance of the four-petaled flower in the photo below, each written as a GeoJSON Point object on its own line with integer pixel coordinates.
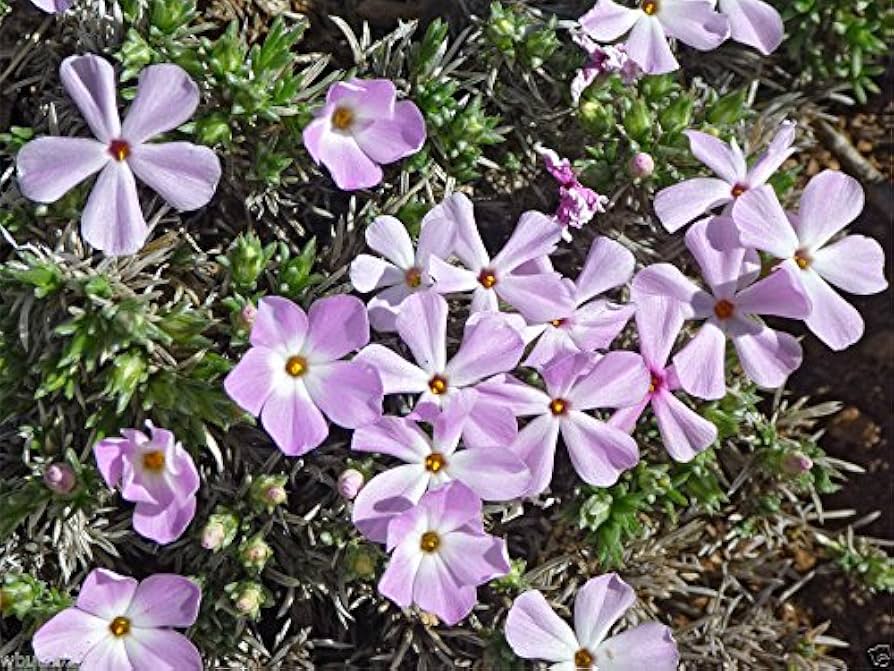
{"type": "Point", "coordinates": [293, 374]}
{"type": "Point", "coordinates": [182, 173]}
{"type": "Point", "coordinates": [123, 625]}
{"type": "Point", "coordinates": [535, 631]}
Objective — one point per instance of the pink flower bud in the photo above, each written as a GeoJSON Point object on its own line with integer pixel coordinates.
{"type": "Point", "coordinates": [350, 482]}
{"type": "Point", "coordinates": [275, 495]}
{"type": "Point", "coordinates": [60, 478]}
{"type": "Point", "coordinates": [797, 463]}
{"type": "Point", "coordinates": [213, 536]}
{"type": "Point", "coordinates": [642, 165]}
{"type": "Point", "coordinates": [248, 315]}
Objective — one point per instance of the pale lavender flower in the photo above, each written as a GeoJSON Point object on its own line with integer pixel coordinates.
{"type": "Point", "coordinates": [157, 474]}
{"type": "Point", "coordinates": [403, 271]}
{"type": "Point", "coordinates": [536, 295]}
{"type": "Point", "coordinates": [293, 374]}
{"type": "Point", "coordinates": [118, 623]}
{"type": "Point", "coordinates": [535, 631]}
{"type": "Point", "coordinates": [59, 478]}
{"type": "Point", "coordinates": [592, 322]}
{"type": "Point", "coordinates": [574, 384]}
{"type": "Point", "coordinates": [684, 432]}
{"type": "Point", "coordinates": [360, 127]}
{"type": "Point", "coordinates": [185, 175]}
{"type": "Point", "coordinates": [692, 22]}
{"type": "Point", "coordinates": [854, 263]}
{"type": "Point", "coordinates": [494, 474]}
{"type": "Point", "coordinates": [602, 60]}
{"type": "Point", "coordinates": [440, 553]}
{"type": "Point", "coordinates": [350, 482]}
{"type": "Point", "coordinates": [755, 23]}
{"type": "Point", "coordinates": [53, 6]}
{"type": "Point", "coordinates": [729, 309]}
{"type": "Point", "coordinates": [677, 205]}
{"type": "Point", "coordinates": [490, 345]}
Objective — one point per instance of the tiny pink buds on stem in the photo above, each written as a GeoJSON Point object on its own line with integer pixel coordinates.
{"type": "Point", "coordinates": [60, 478]}
{"type": "Point", "coordinates": [350, 482]}
{"type": "Point", "coordinates": [642, 165]}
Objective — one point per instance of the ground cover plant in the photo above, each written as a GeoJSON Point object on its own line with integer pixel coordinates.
{"type": "Point", "coordinates": [393, 335]}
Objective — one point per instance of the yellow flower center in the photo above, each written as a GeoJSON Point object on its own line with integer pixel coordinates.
{"type": "Point", "coordinates": [120, 626]}
{"type": "Point", "coordinates": [583, 659]}
{"type": "Point", "coordinates": [487, 279]}
{"type": "Point", "coordinates": [654, 384]}
{"type": "Point", "coordinates": [342, 118]}
{"type": "Point", "coordinates": [119, 149]}
{"type": "Point", "coordinates": [430, 541]}
{"type": "Point", "coordinates": [650, 7]}
{"type": "Point", "coordinates": [154, 461]}
{"type": "Point", "coordinates": [438, 385]}
{"type": "Point", "coordinates": [558, 322]}
{"type": "Point", "coordinates": [558, 406]}
{"type": "Point", "coordinates": [724, 309]}
{"type": "Point", "coordinates": [738, 190]}
{"type": "Point", "coordinates": [802, 260]}
{"type": "Point", "coordinates": [435, 462]}
{"type": "Point", "coordinates": [296, 366]}
{"type": "Point", "coordinates": [413, 277]}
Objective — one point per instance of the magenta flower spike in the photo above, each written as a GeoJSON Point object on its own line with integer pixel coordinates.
{"type": "Point", "coordinates": [440, 554]}
{"type": "Point", "coordinates": [536, 295]}
{"type": "Point", "coordinates": [157, 474]}
{"type": "Point", "coordinates": [684, 432]}
{"type": "Point", "coordinates": [53, 6]}
{"type": "Point", "coordinates": [535, 631]}
{"type": "Point", "coordinates": [493, 474]}
{"type": "Point", "coordinates": [293, 376]}
{"type": "Point", "coordinates": [593, 322]}
{"type": "Point", "coordinates": [729, 309]}
{"type": "Point", "coordinates": [578, 204]}
{"type": "Point", "coordinates": [185, 175]}
{"type": "Point", "coordinates": [403, 271]}
{"type": "Point", "coordinates": [574, 384]}
{"type": "Point", "coordinates": [361, 127]}
{"type": "Point", "coordinates": [755, 23]}
{"type": "Point", "coordinates": [677, 205]}
{"type": "Point", "coordinates": [692, 22]}
{"type": "Point", "coordinates": [490, 345]}
{"type": "Point", "coordinates": [118, 623]}
{"type": "Point", "coordinates": [854, 263]}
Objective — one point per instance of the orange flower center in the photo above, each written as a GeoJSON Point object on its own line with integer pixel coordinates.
{"type": "Point", "coordinates": [650, 7]}
{"type": "Point", "coordinates": [120, 626]}
{"type": "Point", "coordinates": [654, 384]}
{"type": "Point", "coordinates": [154, 461]}
{"type": "Point", "coordinates": [119, 149]}
{"type": "Point", "coordinates": [738, 190]}
{"type": "Point", "coordinates": [802, 260]}
{"type": "Point", "coordinates": [583, 659]}
{"type": "Point", "coordinates": [438, 385]}
{"type": "Point", "coordinates": [296, 366]}
{"type": "Point", "coordinates": [342, 118]}
{"type": "Point", "coordinates": [435, 462]}
{"type": "Point", "coordinates": [487, 279]}
{"type": "Point", "coordinates": [430, 541]}
{"type": "Point", "coordinates": [558, 406]}
{"type": "Point", "coordinates": [724, 309]}
{"type": "Point", "coordinates": [558, 322]}
{"type": "Point", "coordinates": [413, 278]}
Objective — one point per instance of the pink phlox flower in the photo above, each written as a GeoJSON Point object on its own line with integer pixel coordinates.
{"type": "Point", "coordinates": [755, 23]}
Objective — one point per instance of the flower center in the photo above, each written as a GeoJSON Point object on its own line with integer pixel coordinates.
{"type": "Point", "coordinates": [558, 406]}
{"type": "Point", "coordinates": [435, 462]}
{"type": "Point", "coordinates": [650, 7]}
{"type": "Point", "coordinates": [342, 118]}
{"type": "Point", "coordinates": [438, 385]}
{"type": "Point", "coordinates": [802, 259]}
{"type": "Point", "coordinates": [119, 149]}
{"type": "Point", "coordinates": [654, 384]}
{"type": "Point", "coordinates": [413, 277]}
{"type": "Point", "coordinates": [296, 366]}
{"type": "Point", "coordinates": [738, 190]}
{"type": "Point", "coordinates": [120, 626]}
{"type": "Point", "coordinates": [724, 309]}
{"type": "Point", "coordinates": [558, 322]}
{"type": "Point", "coordinates": [154, 461]}
{"type": "Point", "coordinates": [583, 659]}
{"type": "Point", "coordinates": [487, 279]}
{"type": "Point", "coordinates": [430, 541]}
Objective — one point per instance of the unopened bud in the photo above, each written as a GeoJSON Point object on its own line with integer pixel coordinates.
{"type": "Point", "coordinates": [254, 553]}
{"type": "Point", "coordinates": [220, 530]}
{"type": "Point", "coordinates": [350, 482]}
{"type": "Point", "coordinates": [268, 491]}
{"type": "Point", "coordinates": [248, 598]}
{"type": "Point", "coordinates": [247, 315]}
{"type": "Point", "coordinates": [60, 478]}
{"type": "Point", "coordinates": [797, 463]}
{"type": "Point", "coordinates": [642, 165]}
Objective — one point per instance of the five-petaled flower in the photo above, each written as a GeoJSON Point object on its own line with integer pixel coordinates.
{"type": "Point", "coordinates": [440, 554]}
{"type": "Point", "coordinates": [182, 173]}
{"type": "Point", "coordinates": [361, 126]}
{"type": "Point", "coordinates": [293, 374]}
{"type": "Point", "coordinates": [157, 474]}
{"type": "Point", "coordinates": [535, 631]}
{"type": "Point", "coordinates": [123, 625]}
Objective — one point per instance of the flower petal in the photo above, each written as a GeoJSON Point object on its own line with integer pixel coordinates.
{"type": "Point", "coordinates": [553, 343]}
{"type": "Point", "coordinates": [90, 81]}
{"type": "Point", "coordinates": [166, 98]}
{"type": "Point", "coordinates": [830, 202]}
{"type": "Point", "coordinates": [489, 425]}
{"type": "Point", "coordinates": [70, 634]}
{"type": "Point", "coordinates": [779, 293]}
{"type": "Point", "coordinates": [389, 237]}
{"type": "Point", "coordinates": [534, 631]}
{"type": "Point", "coordinates": [755, 23]}
{"type": "Point", "coordinates": [684, 432]}
{"type": "Point", "coordinates": [648, 646]}
{"type": "Point", "coordinates": [293, 420]}
{"type": "Point", "coordinates": [626, 418]}
{"type": "Point", "coordinates": [396, 436]}
{"type": "Point", "coordinates": [49, 167]}
{"type": "Point", "coordinates": [474, 558]}
{"type": "Point", "coordinates": [422, 324]}
{"type": "Point", "coordinates": [437, 591]}
{"type": "Point", "coordinates": [467, 243]}
{"type": "Point", "coordinates": [493, 473]}
{"type": "Point", "coordinates": [251, 382]}
{"type": "Point", "coordinates": [725, 160]}
{"type": "Point", "coordinates": [714, 242]}
{"type": "Point", "coordinates": [387, 495]}
{"type": "Point", "coordinates": [337, 326]}
{"type": "Point", "coordinates": [658, 322]}
{"type": "Point", "coordinates": [832, 319]}
{"type": "Point", "coordinates": [779, 150]}
{"type": "Point", "coordinates": [490, 345]}
{"type": "Point", "coordinates": [438, 228]}
{"type": "Point", "coordinates": [369, 273]}
{"type": "Point", "coordinates": [400, 575]}
{"type": "Point", "coordinates": [539, 298]}
{"type": "Point", "coordinates": [608, 265]}
{"type": "Point", "coordinates": [161, 650]}
{"type": "Point", "coordinates": [279, 325]}
{"type": "Point", "coordinates": [695, 23]}
{"type": "Point", "coordinates": [596, 324]}
{"type": "Point", "coordinates": [599, 452]}
{"type": "Point", "coordinates": [535, 235]}
{"type": "Point", "coordinates": [110, 653]}
{"type": "Point", "coordinates": [701, 364]}
{"type": "Point", "coordinates": [164, 522]}
{"type": "Point", "coordinates": [350, 167]}
{"type": "Point", "coordinates": [388, 140]}
{"type": "Point", "coordinates": [451, 506]}
{"type": "Point", "coordinates": [183, 173]}
{"type": "Point", "coordinates": [768, 356]}
{"type": "Point", "coordinates": [762, 223]}
{"type": "Point", "coordinates": [855, 263]}
{"type": "Point", "coordinates": [647, 47]}
{"type": "Point", "coordinates": [349, 393]}
{"type": "Point", "coordinates": [679, 204]}
{"type": "Point", "coordinates": [608, 21]}
{"type": "Point", "coordinates": [109, 454]}
{"type": "Point", "coordinates": [662, 280]}
{"type": "Point", "coordinates": [165, 600]}
{"type": "Point", "coordinates": [507, 391]}
{"type": "Point", "coordinates": [536, 446]}
{"type": "Point", "coordinates": [106, 594]}
{"type": "Point", "coordinates": [598, 605]}
{"type": "Point", "coordinates": [451, 279]}
{"type": "Point", "coordinates": [398, 375]}
{"type": "Point", "coordinates": [112, 221]}
{"type": "Point", "coordinates": [617, 380]}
